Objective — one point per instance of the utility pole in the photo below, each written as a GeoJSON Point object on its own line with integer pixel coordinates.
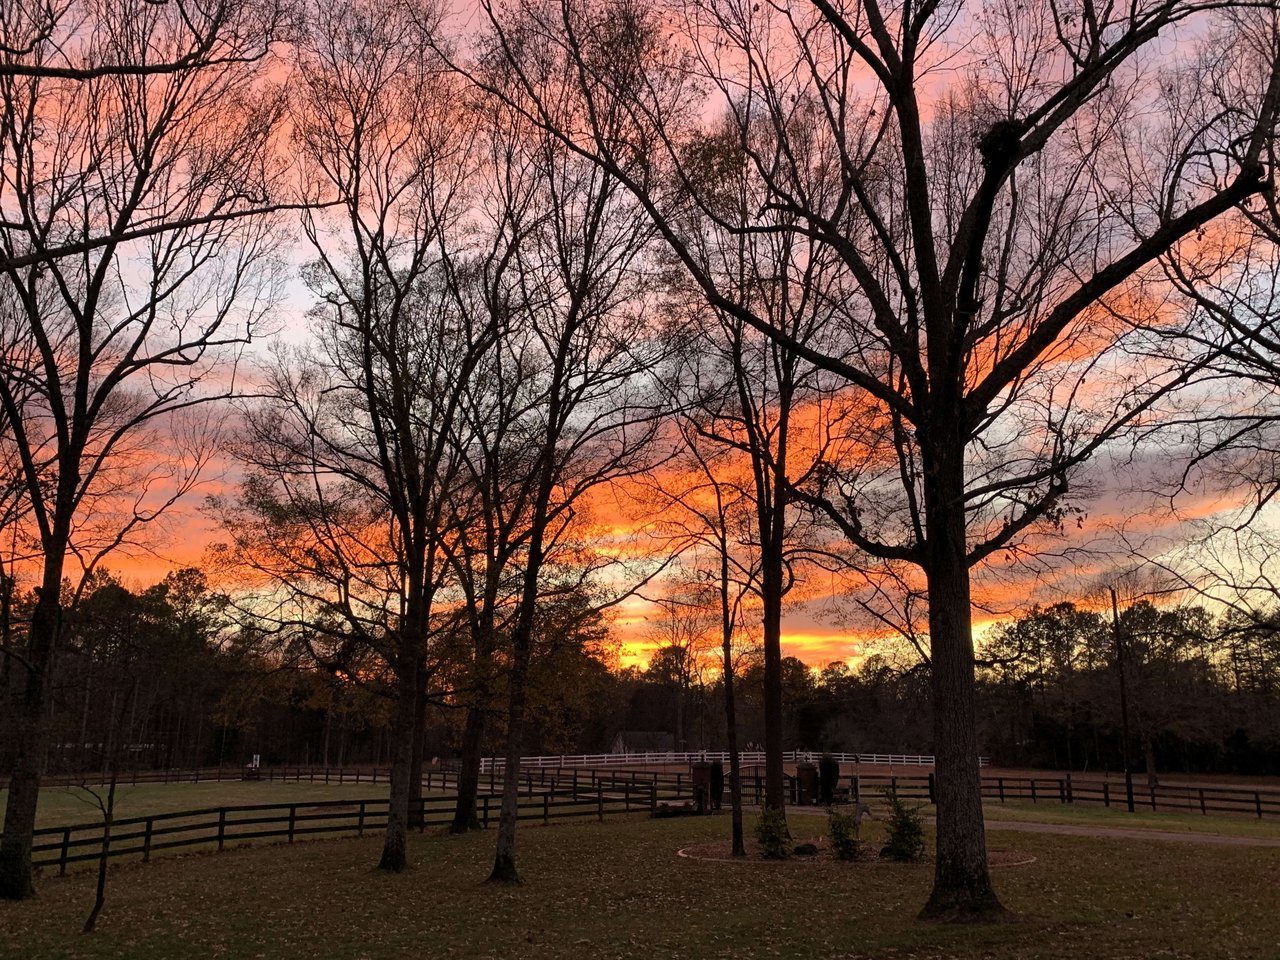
{"type": "Point", "coordinates": [1124, 702]}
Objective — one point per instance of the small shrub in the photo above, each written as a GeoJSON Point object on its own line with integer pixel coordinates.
{"type": "Point", "coordinates": [904, 831]}
{"type": "Point", "coordinates": [773, 835]}
{"type": "Point", "coordinates": [828, 778]}
{"type": "Point", "coordinates": [842, 828]}
{"type": "Point", "coordinates": [806, 850]}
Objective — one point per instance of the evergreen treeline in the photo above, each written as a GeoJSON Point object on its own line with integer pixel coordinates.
{"type": "Point", "coordinates": [205, 691]}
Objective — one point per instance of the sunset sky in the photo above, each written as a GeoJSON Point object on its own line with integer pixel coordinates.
{"type": "Point", "coordinates": [813, 629]}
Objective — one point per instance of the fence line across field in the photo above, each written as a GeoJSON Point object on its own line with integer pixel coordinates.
{"type": "Point", "coordinates": [380, 774]}
{"type": "Point", "coordinates": [218, 827]}
{"type": "Point", "coordinates": [745, 756]}
{"type": "Point", "coordinates": [569, 792]}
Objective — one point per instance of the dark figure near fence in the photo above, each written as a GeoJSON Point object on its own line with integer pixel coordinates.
{"type": "Point", "coordinates": [828, 778]}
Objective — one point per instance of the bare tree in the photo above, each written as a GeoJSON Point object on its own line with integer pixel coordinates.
{"type": "Point", "coordinates": [706, 510]}
{"type": "Point", "coordinates": [358, 435]}
{"type": "Point", "coordinates": [116, 339]}
{"type": "Point", "coordinates": [752, 394]}
{"type": "Point", "coordinates": [579, 346]}
{"type": "Point", "coordinates": [998, 243]}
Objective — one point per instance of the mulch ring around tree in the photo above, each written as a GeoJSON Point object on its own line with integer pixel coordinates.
{"type": "Point", "coordinates": [721, 850]}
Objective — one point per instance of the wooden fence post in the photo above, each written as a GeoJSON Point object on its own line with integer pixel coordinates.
{"type": "Point", "coordinates": [1106, 793]}
{"type": "Point", "coordinates": [146, 842]}
{"type": "Point", "coordinates": [546, 808]}
{"type": "Point", "coordinates": [1000, 787]}
{"type": "Point", "coordinates": [62, 859]}
{"type": "Point", "coordinates": [222, 827]}
{"type": "Point", "coordinates": [293, 817]}
{"type": "Point", "coordinates": [360, 821]}
{"type": "Point", "coordinates": [486, 812]}
{"type": "Point", "coordinates": [600, 801]}
{"type": "Point", "coordinates": [1070, 795]}
{"type": "Point", "coordinates": [1202, 800]}
{"type": "Point", "coordinates": [1033, 789]}
{"type": "Point", "coordinates": [1257, 802]}
{"type": "Point", "coordinates": [931, 791]}
{"type": "Point", "coordinates": [653, 800]}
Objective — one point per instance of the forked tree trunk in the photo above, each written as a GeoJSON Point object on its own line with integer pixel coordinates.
{"type": "Point", "coordinates": [100, 890]}
{"type": "Point", "coordinates": [115, 740]}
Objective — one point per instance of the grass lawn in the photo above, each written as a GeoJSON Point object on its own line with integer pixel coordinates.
{"type": "Point", "coordinates": [1140, 819]}
{"type": "Point", "coordinates": [61, 806]}
{"type": "Point", "coordinates": [618, 889]}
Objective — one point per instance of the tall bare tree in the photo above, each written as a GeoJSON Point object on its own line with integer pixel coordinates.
{"type": "Point", "coordinates": [138, 257]}
{"type": "Point", "coordinates": [997, 194]}
{"type": "Point", "coordinates": [359, 434]}
{"type": "Point", "coordinates": [579, 346]}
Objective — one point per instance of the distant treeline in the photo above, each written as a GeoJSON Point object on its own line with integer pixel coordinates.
{"type": "Point", "coordinates": [203, 690]}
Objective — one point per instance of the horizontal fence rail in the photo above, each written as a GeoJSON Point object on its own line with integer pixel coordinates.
{"type": "Point", "coordinates": [488, 766]}
{"type": "Point", "coordinates": [745, 756]}
{"type": "Point", "coordinates": [1159, 798]}
{"type": "Point", "coordinates": [550, 794]}
{"type": "Point", "coordinates": [216, 828]}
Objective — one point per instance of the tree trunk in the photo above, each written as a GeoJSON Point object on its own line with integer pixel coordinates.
{"type": "Point", "coordinates": [416, 814]}
{"type": "Point", "coordinates": [464, 813]}
{"type": "Point", "coordinates": [100, 891]}
{"type": "Point", "coordinates": [771, 598]}
{"type": "Point", "coordinates": [962, 885]}
{"type": "Point", "coordinates": [504, 859]}
{"type": "Point", "coordinates": [115, 740]}
{"type": "Point", "coordinates": [16, 877]}
{"type": "Point", "coordinates": [395, 844]}
{"type": "Point", "coordinates": [730, 708]}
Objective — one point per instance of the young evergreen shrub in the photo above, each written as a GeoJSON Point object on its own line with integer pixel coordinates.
{"type": "Point", "coordinates": [842, 828]}
{"type": "Point", "coordinates": [772, 833]}
{"type": "Point", "coordinates": [904, 831]}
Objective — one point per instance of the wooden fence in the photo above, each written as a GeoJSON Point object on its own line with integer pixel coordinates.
{"type": "Point", "coordinates": [217, 827]}
{"type": "Point", "coordinates": [746, 757]}
{"type": "Point", "coordinates": [1172, 798]}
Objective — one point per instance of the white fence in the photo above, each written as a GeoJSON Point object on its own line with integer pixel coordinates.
{"type": "Point", "coordinates": [748, 757]}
